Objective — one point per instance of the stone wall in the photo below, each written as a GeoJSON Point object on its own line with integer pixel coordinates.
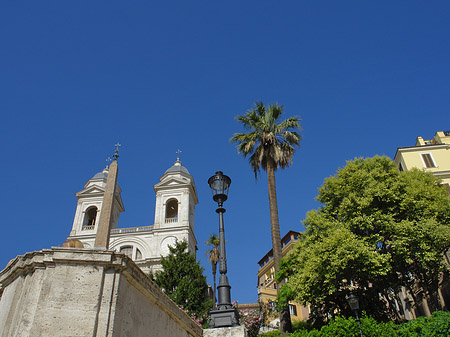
{"type": "Point", "coordinates": [64, 292]}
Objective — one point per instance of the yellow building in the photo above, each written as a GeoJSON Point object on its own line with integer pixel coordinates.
{"type": "Point", "coordinates": [433, 155]}
{"type": "Point", "coordinates": [267, 288]}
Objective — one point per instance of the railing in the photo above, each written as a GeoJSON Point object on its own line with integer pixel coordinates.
{"type": "Point", "coordinates": [131, 230]}
{"type": "Point", "coordinates": [171, 220]}
{"type": "Point", "coordinates": [87, 228]}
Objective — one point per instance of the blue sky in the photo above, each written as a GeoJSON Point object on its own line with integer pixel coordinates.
{"type": "Point", "coordinates": [77, 77]}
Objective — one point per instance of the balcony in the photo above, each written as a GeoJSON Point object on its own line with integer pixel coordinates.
{"type": "Point", "coordinates": [171, 220]}
{"type": "Point", "coordinates": [88, 228]}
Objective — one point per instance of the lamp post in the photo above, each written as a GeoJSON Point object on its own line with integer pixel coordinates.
{"type": "Point", "coordinates": [353, 302]}
{"type": "Point", "coordinates": [224, 315]}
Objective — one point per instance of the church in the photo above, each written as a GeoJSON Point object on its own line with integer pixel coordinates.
{"type": "Point", "coordinates": [97, 283]}
{"type": "Point", "coordinates": [176, 198]}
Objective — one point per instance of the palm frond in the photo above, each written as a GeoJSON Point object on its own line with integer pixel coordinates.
{"type": "Point", "coordinates": [268, 139]}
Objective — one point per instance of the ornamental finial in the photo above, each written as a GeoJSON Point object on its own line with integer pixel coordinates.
{"type": "Point", "coordinates": [116, 153]}
{"type": "Point", "coordinates": [178, 154]}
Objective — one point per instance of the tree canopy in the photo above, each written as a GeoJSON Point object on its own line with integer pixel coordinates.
{"type": "Point", "coordinates": [270, 141]}
{"type": "Point", "coordinates": [182, 279]}
{"type": "Point", "coordinates": [378, 230]}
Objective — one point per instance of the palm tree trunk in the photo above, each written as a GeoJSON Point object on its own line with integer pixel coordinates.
{"type": "Point", "coordinates": [274, 222]}
{"type": "Point", "coordinates": [285, 319]}
{"type": "Point", "coordinates": [214, 290]}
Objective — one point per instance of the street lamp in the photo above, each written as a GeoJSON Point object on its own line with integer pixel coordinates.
{"type": "Point", "coordinates": [353, 302]}
{"type": "Point", "coordinates": [224, 315]}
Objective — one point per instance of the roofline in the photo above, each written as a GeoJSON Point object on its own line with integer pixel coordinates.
{"type": "Point", "coordinates": [284, 237]}
{"type": "Point", "coordinates": [411, 148]}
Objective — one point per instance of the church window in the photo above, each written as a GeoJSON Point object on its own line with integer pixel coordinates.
{"type": "Point", "coordinates": [172, 210]}
{"type": "Point", "coordinates": [138, 254]}
{"type": "Point", "coordinates": [127, 250]}
{"type": "Point", "coordinates": [89, 218]}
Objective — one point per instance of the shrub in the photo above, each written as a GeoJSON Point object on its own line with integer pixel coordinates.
{"type": "Point", "coordinates": [252, 320]}
{"type": "Point", "coordinates": [437, 325]}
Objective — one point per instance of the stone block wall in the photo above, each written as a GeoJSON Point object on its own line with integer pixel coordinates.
{"type": "Point", "coordinates": [62, 292]}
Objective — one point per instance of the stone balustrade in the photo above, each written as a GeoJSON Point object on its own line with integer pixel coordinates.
{"type": "Point", "coordinates": [131, 230]}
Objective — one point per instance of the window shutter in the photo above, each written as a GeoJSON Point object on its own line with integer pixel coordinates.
{"type": "Point", "coordinates": [428, 160]}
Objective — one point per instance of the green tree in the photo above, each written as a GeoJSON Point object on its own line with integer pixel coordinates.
{"type": "Point", "coordinates": [378, 230]}
{"type": "Point", "coordinates": [182, 279]}
{"type": "Point", "coordinates": [213, 257]}
{"type": "Point", "coordinates": [269, 144]}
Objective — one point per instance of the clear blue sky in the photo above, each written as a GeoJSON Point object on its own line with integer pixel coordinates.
{"type": "Point", "coordinates": [77, 77]}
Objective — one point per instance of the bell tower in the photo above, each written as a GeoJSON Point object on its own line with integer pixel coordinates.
{"type": "Point", "coordinates": [176, 197]}
{"type": "Point", "coordinates": [89, 208]}
{"type": "Point", "coordinates": [174, 217]}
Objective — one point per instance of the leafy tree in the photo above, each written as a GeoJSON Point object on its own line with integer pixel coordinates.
{"type": "Point", "coordinates": [213, 257]}
{"type": "Point", "coordinates": [270, 145]}
{"type": "Point", "coordinates": [378, 230]}
{"type": "Point", "coordinates": [182, 279]}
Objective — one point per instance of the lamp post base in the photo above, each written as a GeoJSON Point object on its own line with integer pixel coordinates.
{"type": "Point", "coordinates": [223, 318]}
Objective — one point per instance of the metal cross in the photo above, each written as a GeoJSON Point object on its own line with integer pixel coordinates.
{"type": "Point", "coordinates": [116, 154]}
{"type": "Point", "coordinates": [108, 160]}
{"type": "Point", "coordinates": [178, 154]}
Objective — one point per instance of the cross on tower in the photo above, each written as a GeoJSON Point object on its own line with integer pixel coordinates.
{"type": "Point", "coordinates": [178, 154]}
{"type": "Point", "coordinates": [116, 154]}
{"type": "Point", "coordinates": [108, 160]}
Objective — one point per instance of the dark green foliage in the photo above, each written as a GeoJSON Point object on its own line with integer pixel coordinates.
{"type": "Point", "coordinates": [379, 228]}
{"type": "Point", "coordinates": [437, 325]}
{"type": "Point", "coordinates": [301, 325]}
{"type": "Point", "coordinates": [183, 281]}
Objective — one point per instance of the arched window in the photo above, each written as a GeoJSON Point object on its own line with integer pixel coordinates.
{"type": "Point", "coordinates": [172, 209]}
{"type": "Point", "coordinates": [127, 250]}
{"type": "Point", "coordinates": [138, 254]}
{"type": "Point", "coordinates": [89, 218]}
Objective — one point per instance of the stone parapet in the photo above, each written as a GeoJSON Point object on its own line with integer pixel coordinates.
{"type": "Point", "coordinates": [85, 292]}
{"type": "Point", "coordinates": [236, 331]}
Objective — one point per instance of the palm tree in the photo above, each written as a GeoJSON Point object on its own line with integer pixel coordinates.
{"type": "Point", "coordinates": [213, 256]}
{"type": "Point", "coordinates": [270, 145]}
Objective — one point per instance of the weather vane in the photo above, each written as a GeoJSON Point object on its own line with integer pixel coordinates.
{"type": "Point", "coordinates": [178, 154]}
{"type": "Point", "coordinates": [116, 154]}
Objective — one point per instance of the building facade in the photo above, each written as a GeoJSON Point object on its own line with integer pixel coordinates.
{"type": "Point", "coordinates": [267, 287]}
{"type": "Point", "coordinates": [176, 198]}
{"type": "Point", "coordinates": [432, 155]}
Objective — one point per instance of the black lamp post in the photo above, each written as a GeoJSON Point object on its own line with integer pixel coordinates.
{"type": "Point", "coordinates": [224, 315]}
{"type": "Point", "coordinates": [353, 302]}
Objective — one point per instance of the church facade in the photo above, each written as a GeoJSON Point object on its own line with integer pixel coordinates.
{"type": "Point", "coordinates": [176, 198]}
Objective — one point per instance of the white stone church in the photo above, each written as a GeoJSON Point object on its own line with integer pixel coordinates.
{"type": "Point", "coordinates": [176, 197]}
